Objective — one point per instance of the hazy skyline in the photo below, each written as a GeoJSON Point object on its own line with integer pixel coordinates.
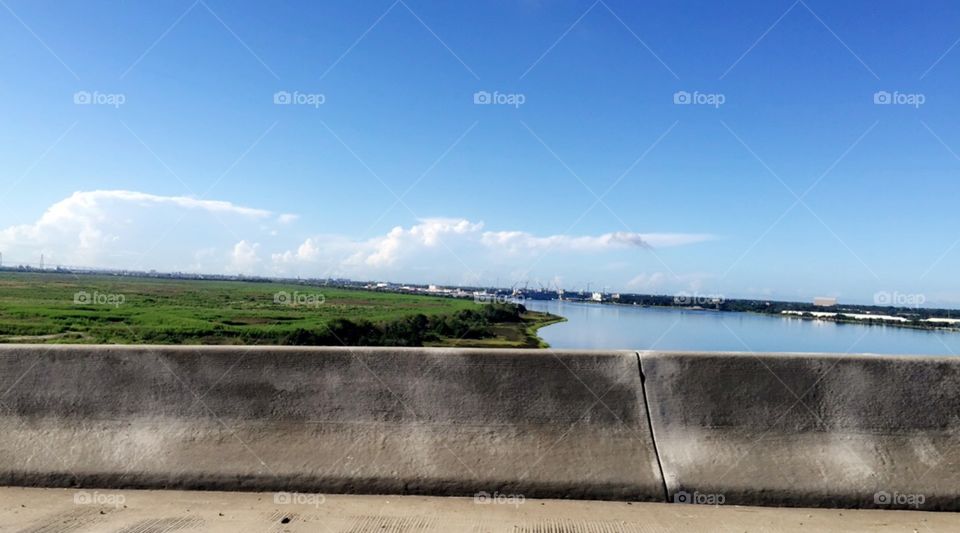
{"type": "Point", "coordinates": [781, 149]}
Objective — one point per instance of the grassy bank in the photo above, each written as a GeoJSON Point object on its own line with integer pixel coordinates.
{"type": "Point", "coordinates": [67, 308]}
{"type": "Point", "coordinates": [522, 334]}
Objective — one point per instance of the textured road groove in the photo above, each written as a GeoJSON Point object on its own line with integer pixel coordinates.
{"type": "Point", "coordinates": [53, 510]}
{"type": "Point", "coordinates": [579, 526]}
{"type": "Point", "coordinates": [68, 522]}
{"type": "Point", "coordinates": [388, 524]}
{"type": "Point", "coordinates": [163, 525]}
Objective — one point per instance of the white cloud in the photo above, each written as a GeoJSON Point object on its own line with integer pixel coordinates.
{"type": "Point", "coordinates": [319, 249]}
{"type": "Point", "coordinates": [108, 227]}
{"type": "Point", "coordinates": [462, 243]}
{"type": "Point", "coordinates": [308, 251]}
{"type": "Point", "coordinates": [135, 230]}
{"type": "Point", "coordinates": [429, 233]}
{"type": "Point", "coordinates": [244, 259]}
{"type": "Point", "coordinates": [520, 241]}
{"type": "Point", "coordinates": [91, 199]}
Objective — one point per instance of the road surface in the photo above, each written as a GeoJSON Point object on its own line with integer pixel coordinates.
{"type": "Point", "coordinates": [127, 511]}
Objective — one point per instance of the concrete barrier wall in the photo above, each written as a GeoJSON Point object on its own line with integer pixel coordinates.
{"type": "Point", "coordinates": [428, 421]}
{"type": "Point", "coordinates": [811, 430]}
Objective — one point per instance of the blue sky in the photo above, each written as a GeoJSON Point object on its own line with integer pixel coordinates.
{"type": "Point", "coordinates": [183, 160]}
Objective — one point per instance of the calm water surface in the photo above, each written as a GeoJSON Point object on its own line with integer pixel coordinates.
{"type": "Point", "coordinates": [595, 326]}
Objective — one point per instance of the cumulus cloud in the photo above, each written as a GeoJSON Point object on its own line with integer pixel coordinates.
{"type": "Point", "coordinates": [461, 237]}
{"type": "Point", "coordinates": [317, 249]}
{"type": "Point", "coordinates": [100, 228]}
{"type": "Point", "coordinates": [244, 259]}
{"type": "Point", "coordinates": [429, 233]}
{"type": "Point", "coordinates": [136, 230]}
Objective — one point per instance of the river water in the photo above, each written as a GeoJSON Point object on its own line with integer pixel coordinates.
{"type": "Point", "coordinates": [606, 326]}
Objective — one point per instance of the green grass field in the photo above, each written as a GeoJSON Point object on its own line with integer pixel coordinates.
{"type": "Point", "coordinates": [67, 308]}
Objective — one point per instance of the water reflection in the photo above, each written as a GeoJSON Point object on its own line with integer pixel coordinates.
{"type": "Point", "coordinates": [595, 326]}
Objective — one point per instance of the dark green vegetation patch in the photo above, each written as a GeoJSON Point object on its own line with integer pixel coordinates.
{"type": "Point", "coordinates": [67, 308]}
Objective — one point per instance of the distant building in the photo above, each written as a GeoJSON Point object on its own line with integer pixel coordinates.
{"type": "Point", "coordinates": [596, 297]}
{"type": "Point", "coordinates": [822, 301]}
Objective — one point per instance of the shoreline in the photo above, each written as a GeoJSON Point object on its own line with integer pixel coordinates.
{"type": "Point", "coordinates": [534, 330]}
{"type": "Point", "coordinates": [520, 335]}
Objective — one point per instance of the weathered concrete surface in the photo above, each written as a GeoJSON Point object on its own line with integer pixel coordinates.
{"type": "Point", "coordinates": [425, 421]}
{"type": "Point", "coordinates": [808, 429]}
{"type": "Point", "coordinates": [49, 510]}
